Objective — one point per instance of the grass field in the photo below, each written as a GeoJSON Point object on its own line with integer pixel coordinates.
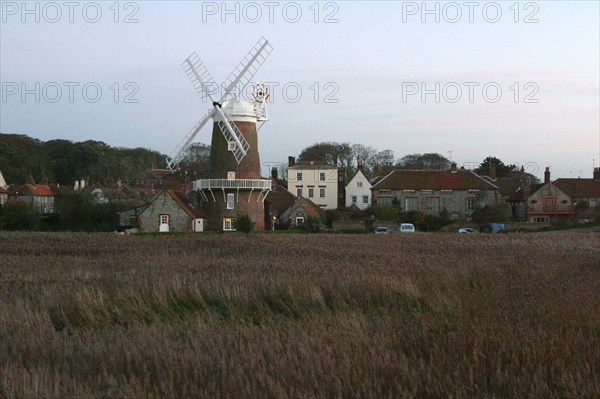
{"type": "Point", "coordinates": [276, 316]}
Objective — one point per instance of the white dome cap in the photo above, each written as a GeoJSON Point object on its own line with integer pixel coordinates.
{"type": "Point", "coordinates": [238, 111]}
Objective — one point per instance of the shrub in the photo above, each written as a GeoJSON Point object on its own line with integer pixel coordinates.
{"type": "Point", "coordinates": [244, 224]}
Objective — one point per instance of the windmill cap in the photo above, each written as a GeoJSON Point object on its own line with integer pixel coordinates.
{"type": "Point", "coordinates": [238, 111]}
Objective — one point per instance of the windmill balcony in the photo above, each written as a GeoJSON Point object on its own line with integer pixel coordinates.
{"type": "Point", "coordinates": [240, 184]}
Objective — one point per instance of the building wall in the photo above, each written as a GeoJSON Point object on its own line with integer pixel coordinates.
{"type": "Point", "coordinates": [43, 204]}
{"type": "Point", "coordinates": [164, 205]}
{"type": "Point", "coordinates": [536, 208]}
{"type": "Point", "coordinates": [311, 178]}
{"type": "Point", "coordinates": [245, 204]}
{"type": "Point", "coordinates": [455, 202]}
{"type": "Point", "coordinates": [352, 189]}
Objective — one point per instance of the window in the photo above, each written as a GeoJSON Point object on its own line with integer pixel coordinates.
{"type": "Point", "coordinates": [230, 201]}
{"type": "Point", "coordinates": [410, 204]}
{"type": "Point", "coordinates": [229, 224]}
{"type": "Point", "coordinates": [384, 201]}
{"type": "Point", "coordinates": [311, 192]}
{"type": "Point", "coordinates": [365, 199]}
{"type": "Point", "coordinates": [230, 175]}
{"type": "Point", "coordinates": [541, 219]}
{"type": "Point", "coordinates": [384, 191]}
{"type": "Point", "coordinates": [433, 204]}
{"type": "Point", "coordinates": [299, 191]}
{"type": "Point", "coordinates": [359, 184]}
{"type": "Point", "coordinates": [164, 219]}
{"type": "Point", "coordinates": [322, 192]}
{"type": "Point", "coordinates": [231, 146]}
{"type": "Point", "coordinates": [322, 176]}
{"type": "Point", "coordinates": [299, 220]}
{"type": "Point", "coordinates": [354, 199]}
{"type": "Point", "coordinates": [299, 176]}
{"type": "Point", "coordinates": [471, 204]}
{"type": "Point", "coordinates": [593, 202]}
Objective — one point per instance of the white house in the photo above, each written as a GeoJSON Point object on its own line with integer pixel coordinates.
{"type": "Point", "coordinates": [314, 180]}
{"type": "Point", "coordinates": [358, 190]}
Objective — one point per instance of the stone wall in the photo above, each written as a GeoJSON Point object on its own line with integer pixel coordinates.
{"type": "Point", "coordinates": [165, 205]}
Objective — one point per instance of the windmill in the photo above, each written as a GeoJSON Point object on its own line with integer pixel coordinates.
{"type": "Point", "coordinates": [234, 186]}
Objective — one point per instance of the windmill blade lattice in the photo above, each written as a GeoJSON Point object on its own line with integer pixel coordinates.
{"type": "Point", "coordinates": [236, 141]}
{"type": "Point", "coordinates": [201, 79]}
{"type": "Point", "coordinates": [246, 69]}
{"type": "Point", "coordinates": [177, 153]}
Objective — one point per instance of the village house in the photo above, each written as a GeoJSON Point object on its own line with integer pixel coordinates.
{"type": "Point", "coordinates": [39, 196]}
{"type": "Point", "coordinates": [316, 181]}
{"type": "Point", "coordinates": [542, 202]}
{"type": "Point", "coordinates": [455, 192]}
{"type": "Point", "coordinates": [171, 211]}
{"type": "Point", "coordinates": [587, 190]}
{"type": "Point", "coordinates": [277, 202]}
{"type": "Point", "coordinates": [299, 212]}
{"type": "Point", "coordinates": [3, 190]}
{"type": "Point", "coordinates": [358, 190]}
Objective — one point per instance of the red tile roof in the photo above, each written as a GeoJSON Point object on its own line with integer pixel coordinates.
{"type": "Point", "coordinates": [183, 202]}
{"type": "Point", "coordinates": [433, 180]}
{"type": "Point", "coordinates": [37, 190]}
{"type": "Point", "coordinates": [579, 188]}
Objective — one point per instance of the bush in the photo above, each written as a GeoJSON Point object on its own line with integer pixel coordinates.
{"type": "Point", "coordinates": [18, 215]}
{"type": "Point", "coordinates": [244, 224]}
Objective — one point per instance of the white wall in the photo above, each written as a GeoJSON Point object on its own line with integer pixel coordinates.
{"type": "Point", "coordinates": [312, 178]}
{"type": "Point", "coordinates": [353, 189]}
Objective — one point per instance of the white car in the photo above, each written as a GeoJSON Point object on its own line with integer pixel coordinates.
{"type": "Point", "coordinates": [407, 228]}
{"type": "Point", "coordinates": [467, 230]}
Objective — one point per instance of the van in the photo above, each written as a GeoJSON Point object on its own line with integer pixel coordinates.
{"type": "Point", "coordinates": [407, 228]}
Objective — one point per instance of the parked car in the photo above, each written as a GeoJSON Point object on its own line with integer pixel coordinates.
{"type": "Point", "coordinates": [492, 228]}
{"type": "Point", "coordinates": [382, 230]}
{"type": "Point", "coordinates": [407, 228]}
{"type": "Point", "coordinates": [467, 230]}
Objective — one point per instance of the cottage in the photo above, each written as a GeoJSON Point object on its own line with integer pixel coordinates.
{"type": "Point", "coordinates": [579, 190]}
{"type": "Point", "coordinates": [277, 202]}
{"type": "Point", "coordinates": [171, 211]}
{"type": "Point", "coordinates": [301, 209]}
{"type": "Point", "coordinates": [358, 190]}
{"type": "Point", "coordinates": [542, 203]}
{"type": "Point", "coordinates": [40, 196]}
{"type": "Point", "coordinates": [3, 190]}
{"type": "Point", "coordinates": [455, 192]}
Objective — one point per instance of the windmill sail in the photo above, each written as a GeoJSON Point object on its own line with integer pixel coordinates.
{"type": "Point", "coordinates": [177, 153]}
{"type": "Point", "coordinates": [201, 79]}
{"type": "Point", "coordinates": [237, 142]}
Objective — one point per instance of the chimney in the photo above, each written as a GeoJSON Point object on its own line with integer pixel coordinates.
{"type": "Point", "coordinates": [547, 175]}
{"type": "Point", "coordinates": [76, 186]}
{"type": "Point", "coordinates": [376, 169]}
{"type": "Point", "coordinates": [30, 180]}
{"type": "Point", "coordinates": [462, 168]}
{"type": "Point", "coordinates": [596, 174]}
{"type": "Point", "coordinates": [291, 161]}
{"type": "Point", "coordinates": [493, 170]}
{"type": "Point", "coordinates": [274, 172]}
{"type": "Point", "coordinates": [526, 187]}
{"type": "Point", "coordinates": [453, 167]}
{"type": "Point", "coordinates": [360, 164]}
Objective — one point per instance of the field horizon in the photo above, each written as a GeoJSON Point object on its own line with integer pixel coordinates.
{"type": "Point", "coordinates": [259, 315]}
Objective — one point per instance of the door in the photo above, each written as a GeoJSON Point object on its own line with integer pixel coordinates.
{"type": "Point", "coordinates": [163, 226]}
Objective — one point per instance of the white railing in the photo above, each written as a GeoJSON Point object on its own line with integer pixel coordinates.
{"type": "Point", "coordinates": [246, 184]}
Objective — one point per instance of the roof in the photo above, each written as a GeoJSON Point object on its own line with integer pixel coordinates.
{"type": "Point", "coordinates": [399, 179]}
{"type": "Point", "coordinates": [37, 190]}
{"type": "Point", "coordinates": [519, 194]}
{"type": "Point", "coordinates": [181, 200]}
{"type": "Point", "coordinates": [279, 197]}
{"type": "Point", "coordinates": [578, 188]}
{"type": "Point", "coordinates": [311, 165]}
{"type": "Point", "coordinates": [359, 170]}
{"type": "Point", "coordinates": [307, 205]}
{"type": "Point", "coordinates": [3, 191]}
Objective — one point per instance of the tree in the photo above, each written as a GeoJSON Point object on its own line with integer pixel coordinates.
{"type": "Point", "coordinates": [502, 170]}
{"type": "Point", "coordinates": [17, 215]}
{"type": "Point", "coordinates": [196, 160]}
{"type": "Point", "coordinates": [244, 224]}
{"type": "Point", "coordinates": [432, 161]}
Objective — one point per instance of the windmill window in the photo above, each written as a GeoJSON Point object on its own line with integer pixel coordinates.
{"type": "Point", "coordinates": [229, 224]}
{"type": "Point", "coordinates": [164, 219]}
{"type": "Point", "coordinates": [230, 175]}
{"type": "Point", "coordinates": [230, 201]}
{"type": "Point", "coordinates": [231, 146]}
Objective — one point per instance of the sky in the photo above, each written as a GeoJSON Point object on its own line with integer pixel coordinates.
{"type": "Point", "coordinates": [466, 79]}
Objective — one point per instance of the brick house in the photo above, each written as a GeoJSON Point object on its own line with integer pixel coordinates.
{"type": "Point", "coordinates": [542, 203]}
{"type": "Point", "coordinates": [457, 192]}
{"type": "Point", "coordinates": [278, 201]}
{"type": "Point", "coordinates": [171, 211]}
{"type": "Point", "coordinates": [582, 189]}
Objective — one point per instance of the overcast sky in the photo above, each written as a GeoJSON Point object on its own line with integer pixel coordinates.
{"type": "Point", "coordinates": [517, 81]}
